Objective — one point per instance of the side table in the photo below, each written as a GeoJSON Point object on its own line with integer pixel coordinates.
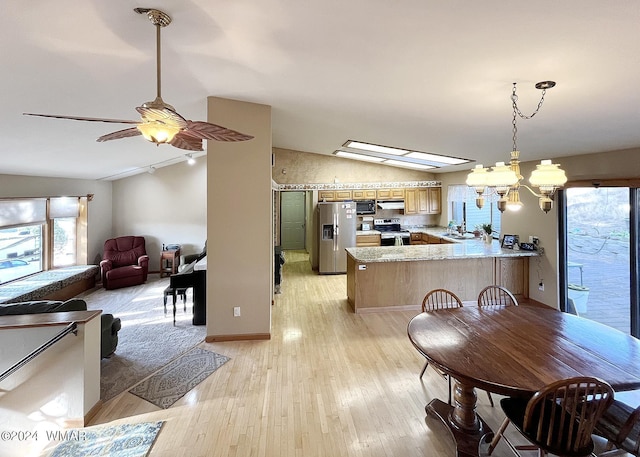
{"type": "Point", "coordinates": [169, 261]}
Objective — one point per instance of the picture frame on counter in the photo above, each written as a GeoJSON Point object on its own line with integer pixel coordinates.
{"type": "Point", "coordinates": [509, 241]}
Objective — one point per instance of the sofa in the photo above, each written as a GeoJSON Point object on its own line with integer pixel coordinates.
{"type": "Point", "coordinates": [110, 326]}
{"type": "Point", "coordinates": [125, 262]}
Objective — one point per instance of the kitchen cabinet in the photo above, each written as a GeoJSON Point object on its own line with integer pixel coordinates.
{"type": "Point", "coordinates": [368, 240]}
{"type": "Point", "coordinates": [390, 194]}
{"type": "Point", "coordinates": [416, 238]}
{"type": "Point", "coordinates": [422, 200]}
{"type": "Point", "coordinates": [334, 195]}
{"type": "Point", "coordinates": [434, 200]}
{"type": "Point", "coordinates": [364, 194]}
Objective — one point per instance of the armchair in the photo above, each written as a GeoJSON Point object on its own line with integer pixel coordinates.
{"type": "Point", "coordinates": [125, 262]}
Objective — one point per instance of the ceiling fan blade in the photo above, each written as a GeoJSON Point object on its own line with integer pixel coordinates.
{"type": "Point", "coordinates": [209, 131]}
{"type": "Point", "coordinates": [183, 141]}
{"type": "Point", "coordinates": [78, 118]}
{"type": "Point", "coordinates": [163, 114]}
{"type": "Point", "coordinates": [126, 133]}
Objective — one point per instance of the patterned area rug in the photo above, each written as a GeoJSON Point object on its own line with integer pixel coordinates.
{"type": "Point", "coordinates": [178, 377]}
{"type": "Point", "coordinates": [126, 440]}
{"type": "Point", "coordinates": [148, 339]}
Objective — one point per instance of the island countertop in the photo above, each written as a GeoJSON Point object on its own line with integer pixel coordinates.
{"type": "Point", "coordinates": [475, 248]}
{"type": "Point", "coordinates": [383, 278]}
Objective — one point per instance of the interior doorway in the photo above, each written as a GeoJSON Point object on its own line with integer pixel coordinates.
{"type": "Point", "coordinates": [292, 220]}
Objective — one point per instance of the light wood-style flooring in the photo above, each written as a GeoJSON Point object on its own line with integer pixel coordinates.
{"type": "Point", "coordinates": [329, 383]}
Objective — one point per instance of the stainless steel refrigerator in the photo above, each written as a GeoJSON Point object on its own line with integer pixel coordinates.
{"type": "Point", "coordinates": [337, 232]}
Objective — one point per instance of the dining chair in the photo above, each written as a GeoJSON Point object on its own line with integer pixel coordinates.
{"type": "Point", "coordinates": [496, 296]}
{"type": "Point", "coordinates": [434, 300]}
{"type": "Point", "coordinates": [442, 299]}
{"type": "Point", "coordinates": [558, 419]}
{"type": "Point", "coordinates": [620, 426]}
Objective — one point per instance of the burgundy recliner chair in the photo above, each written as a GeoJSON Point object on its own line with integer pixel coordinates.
{"type": "Point", "coordinates": [125, 262]}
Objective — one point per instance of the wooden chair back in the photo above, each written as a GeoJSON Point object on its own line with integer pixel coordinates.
{"type": "Point", "coordinates": [496, 296]}
{"type": "Point", "coordinates": [620, 425]}
{"type": "Point", "coordinates": [440, 299]}
{"type": "Point", "coordinates": [561, 417]}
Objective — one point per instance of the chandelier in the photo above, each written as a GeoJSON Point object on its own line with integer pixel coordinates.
{"type": "Point", "coordinates": [506, 180]}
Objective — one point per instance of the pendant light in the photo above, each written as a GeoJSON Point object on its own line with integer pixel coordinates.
{"type": "Point", "coordinates": [506, 180]}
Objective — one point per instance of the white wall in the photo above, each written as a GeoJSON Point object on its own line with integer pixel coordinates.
{"type": "Point", "coordinates": [100, 209]}
{"type": "Point", "coordinates": [169, 206]}
{"type": "Point", "coordinates": [53, 391]}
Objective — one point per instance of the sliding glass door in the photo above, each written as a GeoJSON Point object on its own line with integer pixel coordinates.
{"type": "Point", "coordinates": [599, 241]}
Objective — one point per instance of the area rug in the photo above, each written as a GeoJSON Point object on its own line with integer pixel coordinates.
{"type": "Point", "coordinates": [148, 339]}
{"type": "Point", "coordinates": [177, 378]}
{"type": "Point", "coordinates": [126, 440]}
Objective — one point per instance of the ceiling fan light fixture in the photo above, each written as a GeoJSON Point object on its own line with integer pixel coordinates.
{"type": "Point", "coordinates": [158, 132]}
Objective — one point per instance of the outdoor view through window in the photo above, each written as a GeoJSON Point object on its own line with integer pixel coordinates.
{"type": "Point", "coordinates": [598, 254]}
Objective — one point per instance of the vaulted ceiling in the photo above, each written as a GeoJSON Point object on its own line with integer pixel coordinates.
{"type": "Point", "coordinates": [428, 75]}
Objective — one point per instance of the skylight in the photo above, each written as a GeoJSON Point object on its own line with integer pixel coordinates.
{"type": "Point", "coordinates": [386, 155]}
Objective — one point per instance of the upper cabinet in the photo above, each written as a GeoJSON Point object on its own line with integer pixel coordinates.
{"type": "Point", "coordinates": [423, 200]}
{"type": "Point", "coordinates": [364, 194]}
{"type": "Point", "coordinates": [390, 194]}
{"type": "Point", "coordinates": [334, 195]}
{"type": "Point", "coordinates": [417, 200]}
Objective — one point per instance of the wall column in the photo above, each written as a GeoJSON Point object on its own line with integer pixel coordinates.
{"type": "Point", "coordinates": [239, 223]}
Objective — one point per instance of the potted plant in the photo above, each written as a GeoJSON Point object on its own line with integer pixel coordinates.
{"type": "Point", "coordinates": [487, 233]}
{"type": "Point", "coordinates": [477, 231]}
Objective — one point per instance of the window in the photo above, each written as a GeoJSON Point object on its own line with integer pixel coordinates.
{"type": "Point", "coordinates": [38, 234]}
{"type": "Point", "coordinates": [464, 209]}
{"type": "Point", "coordinates": [20, 252]}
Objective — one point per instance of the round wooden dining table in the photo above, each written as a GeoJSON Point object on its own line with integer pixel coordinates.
{"type": "Point", "coordinates": [515, 351]}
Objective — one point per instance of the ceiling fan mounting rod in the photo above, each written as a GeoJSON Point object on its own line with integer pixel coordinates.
{"type": "Point", "coordinates": [159, 19]}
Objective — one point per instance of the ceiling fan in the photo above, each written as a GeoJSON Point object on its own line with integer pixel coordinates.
{"type": "Point", "coordinates": [160, 122]}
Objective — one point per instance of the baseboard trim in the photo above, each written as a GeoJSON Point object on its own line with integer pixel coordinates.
{"type": "Point", "coordinates": [381, 309]}
{"type": "Point", "coordinates": [240, 337]}
{"type": "Point", "coordinates": [92, 412]}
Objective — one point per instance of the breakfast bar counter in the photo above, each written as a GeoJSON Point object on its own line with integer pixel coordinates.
{"type": "Point", "coordinates": [398, 277]}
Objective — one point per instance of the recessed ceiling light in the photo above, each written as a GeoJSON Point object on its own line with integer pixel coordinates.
{"type": "Point", "coordinates": [422, 160]}
{"type": "Point", "coordinates": [356, 156]}
{"type": "Point", "coordinates": [402, 163]}
{"type": "Point", "coordinates": [375, 148]}
{"type": "Point", "coordinates": [436, 158]}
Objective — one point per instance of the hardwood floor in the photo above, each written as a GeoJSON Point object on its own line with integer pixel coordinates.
{"type": "Point", "coordinates": [329, 383]}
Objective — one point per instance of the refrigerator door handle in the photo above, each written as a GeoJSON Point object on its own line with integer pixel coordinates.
{"type": "Point", "coordinates": [335, 231]}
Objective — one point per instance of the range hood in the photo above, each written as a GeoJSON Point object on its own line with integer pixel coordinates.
{"type": "Point", "coordinates": [391, 204]}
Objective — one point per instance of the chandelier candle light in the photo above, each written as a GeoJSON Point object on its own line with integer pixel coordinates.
{"type": "Point", "coordinates": [506, 180]}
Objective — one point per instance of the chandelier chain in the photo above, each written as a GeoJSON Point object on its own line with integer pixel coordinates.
{"type": "Point", "coordinates": [517, 112]}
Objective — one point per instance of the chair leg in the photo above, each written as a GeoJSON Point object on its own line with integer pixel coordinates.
{"type": "Point", "coordinates": [490, 399]}
{"type": "Point", "coordinates": [498, 435]}
{"type": "Point", "coordinates": [424, 368]}
{"type": "Point", "coordinates": [449, 378]}
{"type": "Point", "coordinates": [174, 309]}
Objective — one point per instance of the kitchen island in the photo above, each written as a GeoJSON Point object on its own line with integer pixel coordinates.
{"type": "Point", "coordinates": [398, 277]}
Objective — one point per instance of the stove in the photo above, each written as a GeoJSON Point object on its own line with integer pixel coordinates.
{"type": "Point", "coordinates": [390, 230]}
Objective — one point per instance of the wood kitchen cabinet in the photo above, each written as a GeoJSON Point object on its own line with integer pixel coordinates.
{"type": "Point", "coordinates": [334, 195]}
{"type": "Point", "coordinates": [416, 238]}
{"type": "Point", "coordinates": [422, 200]}
{"type": "Point", "coordinates": [434, 200]}
{"type": "Point", "coordinates": [390, 194]}
{"type": "Point", "coordinates": [364, 194]}
{"type": "Point", "coordinates": [368, 240]}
